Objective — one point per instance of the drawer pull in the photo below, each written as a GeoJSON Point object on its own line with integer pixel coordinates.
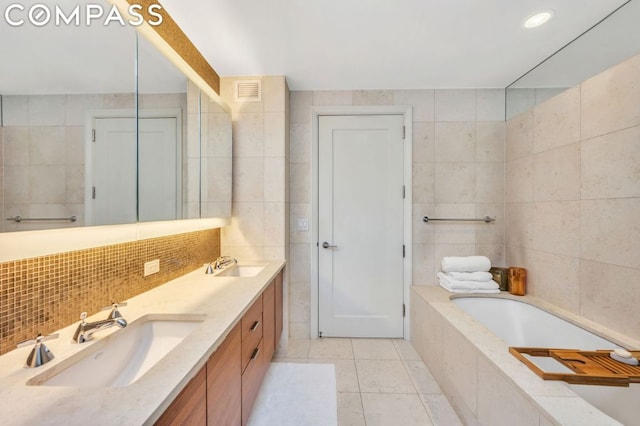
{"type": "Point", "coordinates": [255, 353]}
{"type": "Point", "coordinates": [255, 325]}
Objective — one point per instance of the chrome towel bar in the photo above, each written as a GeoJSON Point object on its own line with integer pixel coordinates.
{"type": "Point", "coordinates": [19, 219]}
{"type": "Point", "coordinates": [486, 219]}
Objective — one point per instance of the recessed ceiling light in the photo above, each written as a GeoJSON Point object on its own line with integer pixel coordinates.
{"type": "Point", "coordinates": [538, 19]}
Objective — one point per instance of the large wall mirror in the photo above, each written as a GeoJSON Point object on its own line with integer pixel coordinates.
{"type": "Point", "coordinates": [611, 41]}
{"type": "Point", "coordinates": [98, 127]}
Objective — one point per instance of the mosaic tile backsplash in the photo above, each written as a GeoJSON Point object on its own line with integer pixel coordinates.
{"type": "Point", "coordinates": [44, 294]}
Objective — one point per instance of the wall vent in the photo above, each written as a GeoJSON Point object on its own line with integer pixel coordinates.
{"type": "Point", "coordinates": [248, 91]}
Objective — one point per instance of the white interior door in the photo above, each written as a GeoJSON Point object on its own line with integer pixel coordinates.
{"type": "Point", "coordinates": [116, 170]}
{"type": "Point", "coordinates": [158, 170]}
{"type": "Point", "coordinates": [360, 226]}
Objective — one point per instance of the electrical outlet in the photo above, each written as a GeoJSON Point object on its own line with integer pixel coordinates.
{"type": "Point", "coordinates": [152, 267]}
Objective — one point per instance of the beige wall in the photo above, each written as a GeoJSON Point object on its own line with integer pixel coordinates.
{"type": "Point", "coordinates": [458, 171]}
{"type": "Point", "coordinates": [259, 225]}
{"type": "Point", "coordinates": [573, 197]}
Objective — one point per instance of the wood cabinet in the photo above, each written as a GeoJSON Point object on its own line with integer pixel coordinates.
{"type": "Point", "coordinates": [190, 406]}
{"type": "Point", "coordinates": [224, 383]}
{"type": "Point", "coordinates": [225, 389]}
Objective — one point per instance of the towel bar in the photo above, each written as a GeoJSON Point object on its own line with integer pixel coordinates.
{"type": "Point", "coordinates": [19, 219]}
{"type": "Point", "coordinates": [485, 219]}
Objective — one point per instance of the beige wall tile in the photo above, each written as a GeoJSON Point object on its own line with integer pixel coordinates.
{"type": "Point", "coordinates": [273, 93]}
{"type": "Point", "coordinates": [490, 105]}
{"type": "Point", "coordinates": [424, 272]}
{"type": "Point", "coordinates": [47, 110]}
{"type": "Point", "coordinates": [490, 141]}
{"type": "Point", "coordinates": [47, 184]}
{"type": "Point", "coordinates": [300, 104]}
{"type": "Point", "coordinates": [47, 145]}
{"type": "Point", "coordinates": [453, 232]}
{"type": "Point", "coordinates": [609, 231]}
{"type": "Point", "coordinates": [423, 233]}
{"type": "Point", "coordinates": [610, 99]}
{"type": "Point", "coordinates": [519, 224]}
{"type": "Point", "coordinates": [300, 148]}
{"type": "Point", "coordinates": [248, 179]}
{"type": "Point", "coordinates": [557, 227]}
{"type": "Point", "coordinates": [519, 136]}
{"type": "Point", "coordinates": [299, 211]}
{"type": "Point", "coordinates": [422, 102]}
{"type": "Point", "coordinates": [455, 183]}
{"type": "Point", "coordinates": [554, 278]}
{"type": "Point", "coordinates": [16, 146]}
{"type": "Point", "coordinates": [15, 110]}
{"type": "Point", "coordinates": [490, 182]}
{"type": "Point", "coordinates": [610, 165]}
{"type": "Point", "coordinates": [300, 265]}
{"type": "Point", "coordinates": [300, 185]}
{"type": "Point", "coordinates": [557, 121]}
{"type": "Point", "coordinates": [556, 174]}
{"type": "Point", "coordinates": [455, 105]}
{"type": "Point", "coordinates": [274, 214]}
{"type": "Point", "coordinates": [247, 227]}
{"type": "Point", "coordinates": [423, 182]}
{"type": "Point", "coordinates": [274, 134]}
{"type": "Point", "coordinates": [332, 98]}
{"type": "Point", "coordinates": [423, 142]}
{"type": "Point", "coordinates": [455, 142]}
{"type": "Point", "coordinates": [77, 105]}
{"type": "Point", "coordinates": [248, 135]}
{"type": "Point", "coordinates": [74, 148]}
{"type": "Point", "coordinates": [490, 233]}
{"type": "Point", "coordinates": [610, 296]}
{"type": "Point", "coordinates": [519, 180]}
{"type": "Point", "coordinates": [373, 97]}
{"type": "Point", "coordinates": [274, 179]}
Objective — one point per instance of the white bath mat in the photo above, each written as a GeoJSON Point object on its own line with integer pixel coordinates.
{"type": "Point", "coordinates": [297, 394]}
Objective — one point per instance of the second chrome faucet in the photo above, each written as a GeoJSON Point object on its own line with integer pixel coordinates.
{"type": "Point", "coordinates": [85, 329]}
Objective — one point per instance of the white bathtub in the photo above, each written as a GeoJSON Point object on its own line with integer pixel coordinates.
{"type": "Point", "coordinates": [487, 385]}
{"type": "Point", "coordinates": [521, 324]}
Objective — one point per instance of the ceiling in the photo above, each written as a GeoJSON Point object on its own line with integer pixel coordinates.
{"type": "Point", "coordinates": [382, 44]}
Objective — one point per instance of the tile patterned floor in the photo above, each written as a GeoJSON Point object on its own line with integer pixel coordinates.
{"type": "Point", "coordinates": [380, 382]}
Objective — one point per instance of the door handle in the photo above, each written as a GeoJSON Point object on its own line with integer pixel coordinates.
{"type": "Point", "coordinates": [327, 245]}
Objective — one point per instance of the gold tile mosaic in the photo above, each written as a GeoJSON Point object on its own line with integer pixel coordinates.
{"type": "Point", "coordinates": [44, 294]}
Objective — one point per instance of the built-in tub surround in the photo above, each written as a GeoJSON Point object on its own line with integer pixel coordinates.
{"type": "Point", "coordinates": [482, 380]}
{"type": "Point", "coordinates": [46, 293]}
{"type": "Point", "coordinates": [573, 196]}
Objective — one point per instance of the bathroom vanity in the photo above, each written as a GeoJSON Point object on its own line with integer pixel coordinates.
{"type": "Point", "coordinates": [212, 376]}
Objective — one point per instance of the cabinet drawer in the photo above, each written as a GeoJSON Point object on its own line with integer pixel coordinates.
{"type": "Point", "coordinates": [190, 406]}
{"type": "Point", "coordinates": [251, 324]}
{"type": "Point", "coordinates": [251, 381]}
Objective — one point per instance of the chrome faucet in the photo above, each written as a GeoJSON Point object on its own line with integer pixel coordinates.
{"type": "Point", "coordinates": [85, 330]}
{"type": "Point", "coordinates": [223, 262]}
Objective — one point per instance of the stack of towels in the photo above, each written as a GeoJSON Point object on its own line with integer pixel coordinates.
{"type": "Point", "coordinates": [467, 275]}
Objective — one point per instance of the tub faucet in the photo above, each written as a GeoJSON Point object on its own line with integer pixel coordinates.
{"type": "Point", "coordinates": [85, 330]}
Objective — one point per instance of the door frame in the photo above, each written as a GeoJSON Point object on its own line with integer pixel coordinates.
{"type": "Point", "coordinates": [407, 113]}
{"type": "Point", "coordinates": [89, 125]}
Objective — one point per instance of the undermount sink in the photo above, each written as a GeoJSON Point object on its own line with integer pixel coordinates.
{"type": "Point", "coordinates": [241, 271]}
{"type": "Point", "coordinates": [121, 358]}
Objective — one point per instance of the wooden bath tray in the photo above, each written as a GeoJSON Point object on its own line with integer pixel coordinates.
{"type": "Point", "coordinates": [590, 367]}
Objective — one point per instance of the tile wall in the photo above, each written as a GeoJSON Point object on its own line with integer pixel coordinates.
{"type": "Point", "coordinates": [44, 294]}
{"type": "Point", "coordinates": [44, 160]}
{"type": "Point", "coordinates": [573, 197]}
{"type": "Point", "coordinates": [458, 171]}
{"type": "Point", "coordinates": [259, 225]}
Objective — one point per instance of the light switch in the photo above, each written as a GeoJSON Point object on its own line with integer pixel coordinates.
{"type": "Point", "coordinates": [302, 224]}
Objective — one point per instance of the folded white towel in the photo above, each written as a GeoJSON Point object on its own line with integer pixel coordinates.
{"type": "Point", "coordinates": [456, 290]}
{"type": "Point", "coordinates": [466, 264]}
{"type": "Point", "coordinates": [471, 276]}
{"type": "Point", "coordinates": [467, 285]}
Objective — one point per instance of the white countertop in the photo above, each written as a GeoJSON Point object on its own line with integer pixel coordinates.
{"type": "Point", "coordinates": [222, 299]}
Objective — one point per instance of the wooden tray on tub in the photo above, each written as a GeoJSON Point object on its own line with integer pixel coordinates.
{"type": "Point", "coordinates": [590, 367]}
